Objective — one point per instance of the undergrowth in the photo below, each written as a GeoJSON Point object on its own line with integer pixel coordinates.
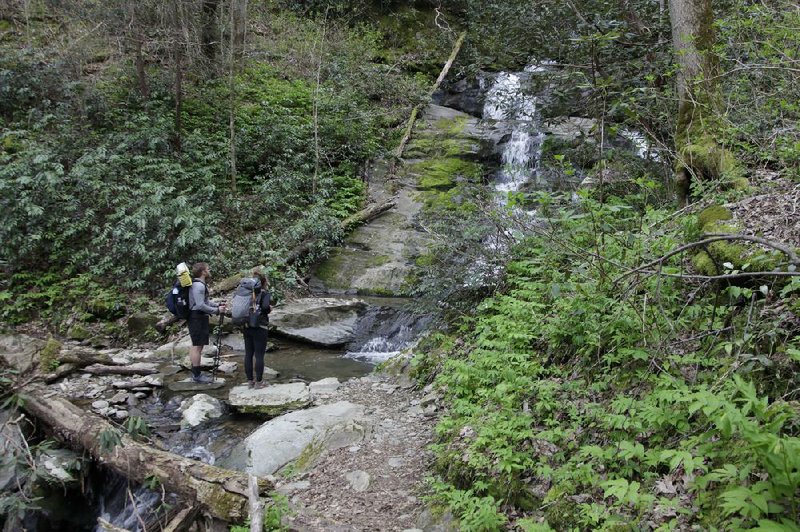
{"type": "Point", "coordinates": [582, 399]}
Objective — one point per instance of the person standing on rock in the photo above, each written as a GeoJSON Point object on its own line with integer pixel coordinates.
{"type": "Point", "coordinates": [201, 308]}
{"type": "Point", "coordinates": [255, 337]}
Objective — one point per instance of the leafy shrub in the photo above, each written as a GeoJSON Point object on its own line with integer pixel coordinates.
{"type": "Point", "coordinates": [591, 400]}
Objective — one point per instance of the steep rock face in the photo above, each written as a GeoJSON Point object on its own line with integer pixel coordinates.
{"type": "Point", "coordinates": [379, 258]}
{"type": "Point", "coordinates": [302, 435]}
{"type": "Point", "coordinates": [328, 322]}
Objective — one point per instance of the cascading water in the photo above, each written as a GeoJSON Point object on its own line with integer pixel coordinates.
{"type": "Point", "coordinates": [383, 332]}
{"type": "Point", "coordinates": [508, 102]}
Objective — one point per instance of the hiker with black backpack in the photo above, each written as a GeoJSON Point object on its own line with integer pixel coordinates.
{"type": "Point", "coordinates": [250, 310]}
{"type": "Point", "coordinates": [200, 309]}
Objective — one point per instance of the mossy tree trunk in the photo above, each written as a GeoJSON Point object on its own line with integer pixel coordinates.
{"type": "Point", "coordinates": [699, 153]}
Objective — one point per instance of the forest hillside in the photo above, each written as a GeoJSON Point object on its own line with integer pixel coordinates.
{"type": "Point", "coordinates": [573, 228]}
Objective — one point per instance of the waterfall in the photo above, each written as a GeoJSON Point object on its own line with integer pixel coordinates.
{"type": "Point", "coordinates": [383, 332]}
{"type": "Point", "coordinates": [507, 102]}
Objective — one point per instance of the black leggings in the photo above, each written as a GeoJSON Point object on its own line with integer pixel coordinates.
{"type": "Point", "coordinates": [255, 343]}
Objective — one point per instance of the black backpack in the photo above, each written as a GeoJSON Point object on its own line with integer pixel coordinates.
{"type": "Point", "coordinates": [178, 301]}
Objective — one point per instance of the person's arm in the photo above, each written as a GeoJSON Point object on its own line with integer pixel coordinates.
{"type": "Point", "coordinates": [198, 300]}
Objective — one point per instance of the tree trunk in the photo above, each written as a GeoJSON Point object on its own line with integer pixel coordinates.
{"type": "Point", "coordinates": [238, 27]}
{"type": "Point", "coordinates": [210, 31]}
{"type": "Point", "coordinates": [699, 154]}
{"type": "Point", "coordinates": [220, 493]}
{"type": "Point", "coordinates": [178, 95]}
{"type": "Point", "coordinates": [141, 73]}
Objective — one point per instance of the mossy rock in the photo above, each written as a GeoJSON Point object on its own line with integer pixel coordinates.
{"type": "Point", "coordinates": [49, 356]}
{"type": "Point", "coordinates": [711, 215]}
{"type": "Point", "coordinates": [104, 309]}
{"type": "Point", "coordinates": [141, 323]}
{"type": "Point", "coordinates": [442, 173]}
{"type": "Point", "coordinates": [78, 333]}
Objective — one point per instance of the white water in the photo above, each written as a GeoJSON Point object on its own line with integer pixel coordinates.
{"type": "Point", "coordinates": [506, 101]}
{"type": "Point", "coordinates": [382, 348]}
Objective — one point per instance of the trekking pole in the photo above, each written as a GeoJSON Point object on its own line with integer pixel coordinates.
{"type": "Point", "coordinates": [219, 347]}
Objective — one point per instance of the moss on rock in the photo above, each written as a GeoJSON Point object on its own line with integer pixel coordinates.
{"type": "Point", "coordinates": [49, 357]}
{"type": "Point", "coordinates": [713, 214]}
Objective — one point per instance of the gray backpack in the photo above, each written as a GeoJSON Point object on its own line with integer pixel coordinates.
{"type": "Point", "coordinates": [245, 301]}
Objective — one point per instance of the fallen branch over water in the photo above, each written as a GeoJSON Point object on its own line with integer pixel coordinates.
{"type": "Point", "coordinates": [220, 493]}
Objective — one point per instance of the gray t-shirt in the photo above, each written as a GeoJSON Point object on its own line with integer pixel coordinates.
{"type": "Point", "coordinates": [198, 298]}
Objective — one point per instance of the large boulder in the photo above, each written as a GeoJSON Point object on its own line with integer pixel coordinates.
{"type": "Point", "coordinates": [302, 435]}
{"type": "Point", "coordinates": [20, 351]}
{"type": "Point", "coordinates": [328, 322]}
{"type": "Point", "coordinates": [272, 400]}
{"type": "Point", "coordinates": [180, 348]}
{"type": "Point", "coordinates": [198, 409]}
{"type": "Point", "coordinates": [140, 323]}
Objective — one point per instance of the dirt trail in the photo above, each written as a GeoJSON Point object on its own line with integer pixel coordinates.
{"type": "Point", "coordinates": [376, 484]}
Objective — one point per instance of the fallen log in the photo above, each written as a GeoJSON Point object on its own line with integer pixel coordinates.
{"type": "Point", "coordinates": [398, 154]}
{"type": "Point", "coordinates": [72, 361]}
{"type": "Point", "coordinates": [139, 368]}
{"type": "Point", "coordinates": [219, 493]}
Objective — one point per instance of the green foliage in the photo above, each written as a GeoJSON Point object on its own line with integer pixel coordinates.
{"type": "Point", "coordinates": [109, 439]}
{"type": "Point", "coordinates": [590, 401]}
{"type": "Point", "coordinates": [124, 200]}
{"type": "Point", "coordinates": [136, 427]}
{"type": "Point", "coordinates": [53, 297]}
{"type": "Point", "coordinates": [276, 508]}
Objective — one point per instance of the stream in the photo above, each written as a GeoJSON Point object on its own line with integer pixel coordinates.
{"type": "Point", "coordinates": [383, 330]}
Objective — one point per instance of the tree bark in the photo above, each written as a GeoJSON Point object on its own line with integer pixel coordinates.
{"type": "Point", "coordinates": [130, 369]}
{"type": "Point", "coordinates": [141, 73]}
{"type": "Point", "coordinates": [210, 31]}
{"type": "Point", "coordinates": [219, 493]}
{"type": "Point", "coordinates": [699, 154]}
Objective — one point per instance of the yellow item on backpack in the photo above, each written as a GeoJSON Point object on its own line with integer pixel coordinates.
{"type": "Point", "coordinates": [182, 271]}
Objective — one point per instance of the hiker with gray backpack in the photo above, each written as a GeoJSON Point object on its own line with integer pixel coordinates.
{"type": "Point", "coordinates": [250, 310]}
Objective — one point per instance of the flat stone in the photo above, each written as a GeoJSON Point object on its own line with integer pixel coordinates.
{"type": "Point", "coordinates": [228, 367]}
{"type": "Point", "coordinates": [119, 398]}
{"type": "Point", "coordinates": [121, 414]}
{"type": "Point", "coordinates": [324, 387]}
{"type": "Point", "coordinates": [396, 462]}
{"type": "Point", "coordinates": [305, 432]}
{"type": "Point", "coordinates": [19, 351]}
{"type": "Point", "coordinates": [272, 400]}
{"type": "Point", "coordinates": [188, 385]}
{"type": "Point", "coordinates": [328, 321]}
{"type": "Point", "coordinates": [359, 480]}
{"type": "Point", "coordinates": [198, 409]}
{"type": "Point", "coordinates": [100, 405]}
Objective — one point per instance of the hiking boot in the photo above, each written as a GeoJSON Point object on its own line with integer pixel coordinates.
{"type": "Point", "coordinates": [202, 379]}
{"type": "Point", "coordinates": [260, 385]}
{"type": "Point", "coordinates": [250, 384]}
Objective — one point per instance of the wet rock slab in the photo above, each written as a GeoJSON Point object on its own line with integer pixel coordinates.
{"type": "Point", "coordinates": [272, 400]}
{"type": "Point", "coordinates": [302, 435]}
{"type": "Point", "coordinates": [324, 321]}
{"type": "Point", "coordinates": [188, 385]}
